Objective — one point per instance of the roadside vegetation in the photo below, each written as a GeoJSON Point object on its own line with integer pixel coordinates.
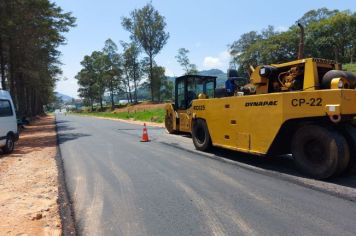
{"type": "Point", "coordinates": [154, 115]}
{"type": "Point", "coordinates": [329, 34]}
{"type": "Point", "coordinates": [145, 111]}
{"type": "Point", "coordinates": [121, 73]}
{"type": "Point", "coordinates": [350, 67]}
{"type": "Point", "coordinates": [30, 33]}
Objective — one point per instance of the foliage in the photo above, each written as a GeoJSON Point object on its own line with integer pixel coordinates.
{"type": "Point", "coordinates": [147, 27]}
{"type": "Point", "coordinates": [183, 60]}
{"type": "Point", "coordinates": [156, 82]}
{"type": "Point", "coordinates": [30, 33]}
{"type": "Point", "coordinates": [113, 75]}
{"type": "Point", "coordinates": [329, 34]}
{"type": "Point", "coordinates": [101, 72]}
{"type": "Point", "coordinates": [133, 68]}
{"type": "Point", "coordinates": [120, 75]}
{"type": "Point", "coordinates": [350, 67]}
{"type": "Point", "coordinates": [167, 89]}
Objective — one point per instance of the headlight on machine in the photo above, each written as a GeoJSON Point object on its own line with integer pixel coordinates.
{"type": "Point", "coordinates": [340, 84]}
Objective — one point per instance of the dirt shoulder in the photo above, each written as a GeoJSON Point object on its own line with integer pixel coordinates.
{"type": "Point", "coordinates": [141, 107]}
{"type": "Point", "coordinates": [136, 122]}
{"type": "Point", "coordinates": [29, 183]}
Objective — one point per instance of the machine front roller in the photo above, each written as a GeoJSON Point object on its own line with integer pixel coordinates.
{"type": "Point", "coordinates": [168, 123]}
{"type": "Point", "coordinates": [320, 152]}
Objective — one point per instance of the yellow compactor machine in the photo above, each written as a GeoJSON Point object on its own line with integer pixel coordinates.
{"type": "Point", "coordinates": [305, 107]}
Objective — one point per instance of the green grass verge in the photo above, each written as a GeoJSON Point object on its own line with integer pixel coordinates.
{"type": "Point", "coordinates": [154, 115]}
{"type": "Point", "coordinates": [350, 67]}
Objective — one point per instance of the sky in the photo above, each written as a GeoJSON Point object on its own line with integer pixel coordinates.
{"type": "Point", "coordinates": [204, 27]}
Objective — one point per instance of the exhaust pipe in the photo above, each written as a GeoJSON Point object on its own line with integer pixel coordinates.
{"type": "Point", "coordinates": [301, 42]}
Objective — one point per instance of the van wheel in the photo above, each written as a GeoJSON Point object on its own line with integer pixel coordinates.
{"type": "Point", "coordinates": [320, 152]}
{"type": "Point", "coordinates": [200, 135]}
{"type": "Point", "coordinates": [10, 145]}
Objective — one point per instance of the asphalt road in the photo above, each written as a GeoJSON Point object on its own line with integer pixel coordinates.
{"type": "Point", "coordinates": [120, 186]}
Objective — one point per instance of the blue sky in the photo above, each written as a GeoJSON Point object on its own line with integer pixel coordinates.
{"type": "Point", "coordinates": [203, 27]}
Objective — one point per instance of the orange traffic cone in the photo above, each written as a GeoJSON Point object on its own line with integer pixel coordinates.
{"type": "Point", "coordinates": [145, 134]}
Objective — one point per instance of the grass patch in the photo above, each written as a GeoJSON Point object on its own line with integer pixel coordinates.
{"type": "Point", "coordinates": [154, 115]}
{"type": "Point", "coordinates": [350, 67]}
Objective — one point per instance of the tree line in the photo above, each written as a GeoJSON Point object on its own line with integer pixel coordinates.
{"type": "Point", "coordinates": [329, 34]}
{"type": "Point", "coordinates": [30, 33]}
{"type": "Point", "coordinates": [108, 72]}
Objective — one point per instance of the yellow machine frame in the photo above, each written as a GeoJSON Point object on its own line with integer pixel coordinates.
{"type": "Point", "coordinates": [267, 119]}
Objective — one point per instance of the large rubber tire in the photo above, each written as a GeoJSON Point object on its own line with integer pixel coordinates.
{"type": "Point", "coordinates": [320, 152]}
{"type": "Point", "coordinates": [200, 135]}
{"type": "Point", "coordinates": [350, 134]}
{"type": "Point", "coordinates": [168, 123]}
{"type": "Point", "coordinates": [332, 74]}
{"type": "Point", "coordinates": [10, 145]}
{"type": "Point", "coordinates": [344, 158]}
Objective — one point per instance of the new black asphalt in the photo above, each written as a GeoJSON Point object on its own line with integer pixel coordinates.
{"type": "Point", "coordinates": [120, 186]}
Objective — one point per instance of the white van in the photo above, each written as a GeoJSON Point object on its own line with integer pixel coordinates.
{"type": "Point", "coordinates": [8, 123]}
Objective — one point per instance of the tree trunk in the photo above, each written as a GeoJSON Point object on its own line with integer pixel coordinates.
{"type": "Point", "coordinates": [151, 77]}
{"type": "Point", "coordinates": [2, 65]}
{"type": "Point", "coordinates": [130, 95]}
{"type": "Point", "coordinates": [112, 100]}
{"type": "Point", "coordinates": [112, 96]}
{"type": "Point", "coordinates": [11, 76]}
{"type": "Point", "coordinates": [336, 52]}
{"type": "Point", "coordinates": [135, 84]}
{"type": "Point", "coordinates": [136, 100]}
{"type": "Point", "coordinates": [128, 88]}
{"type": "Point", "coordinates": [127, 96]}
{"type": "Point", "coordinates": [92, 104]}
{"type": "Point", "coordinates": [101, 103]}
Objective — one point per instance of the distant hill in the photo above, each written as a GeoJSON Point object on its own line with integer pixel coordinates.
{"type": "Point", "coordinates": [63, 97]}
{"type": "Point", "coordinates": [221, 76]}
{"type": "Point", "coordinates": [211, 72]}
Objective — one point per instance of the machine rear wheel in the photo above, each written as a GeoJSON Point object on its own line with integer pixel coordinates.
{"type": "Point", "coordinates": [320, 152]}
{"type": "Point", "coordinates": [350, 134]}
{"type": "Point", "coordinates": [200, 135]}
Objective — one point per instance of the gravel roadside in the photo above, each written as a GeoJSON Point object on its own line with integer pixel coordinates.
{"type": "Point", "coordinates": [29, 183]}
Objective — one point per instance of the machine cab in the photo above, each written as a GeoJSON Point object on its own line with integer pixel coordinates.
{"type": "Point", "coordinates": [190, 87]}
{"type": "Point", "coordinates": [187, 88]}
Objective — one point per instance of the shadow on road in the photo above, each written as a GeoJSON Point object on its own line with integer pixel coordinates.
{"type": "Point", "coordinates": [61, 121]}
{"type": "Point", "coordinates": [64, 136]}
{"type": "Point", "coordinates": [283, 164]}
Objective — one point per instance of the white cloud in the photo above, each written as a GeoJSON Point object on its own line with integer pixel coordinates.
{"type": "Point", "coordinates": [281, 28]}
{"type": "Point", "coordinates": [212, 62]}
{"type": "Point", "coordinates": [168, 72]}
{"type": "Point", "coordinates": [221, 61]}
{"type": "Point", "coordinates": [68, 87]}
